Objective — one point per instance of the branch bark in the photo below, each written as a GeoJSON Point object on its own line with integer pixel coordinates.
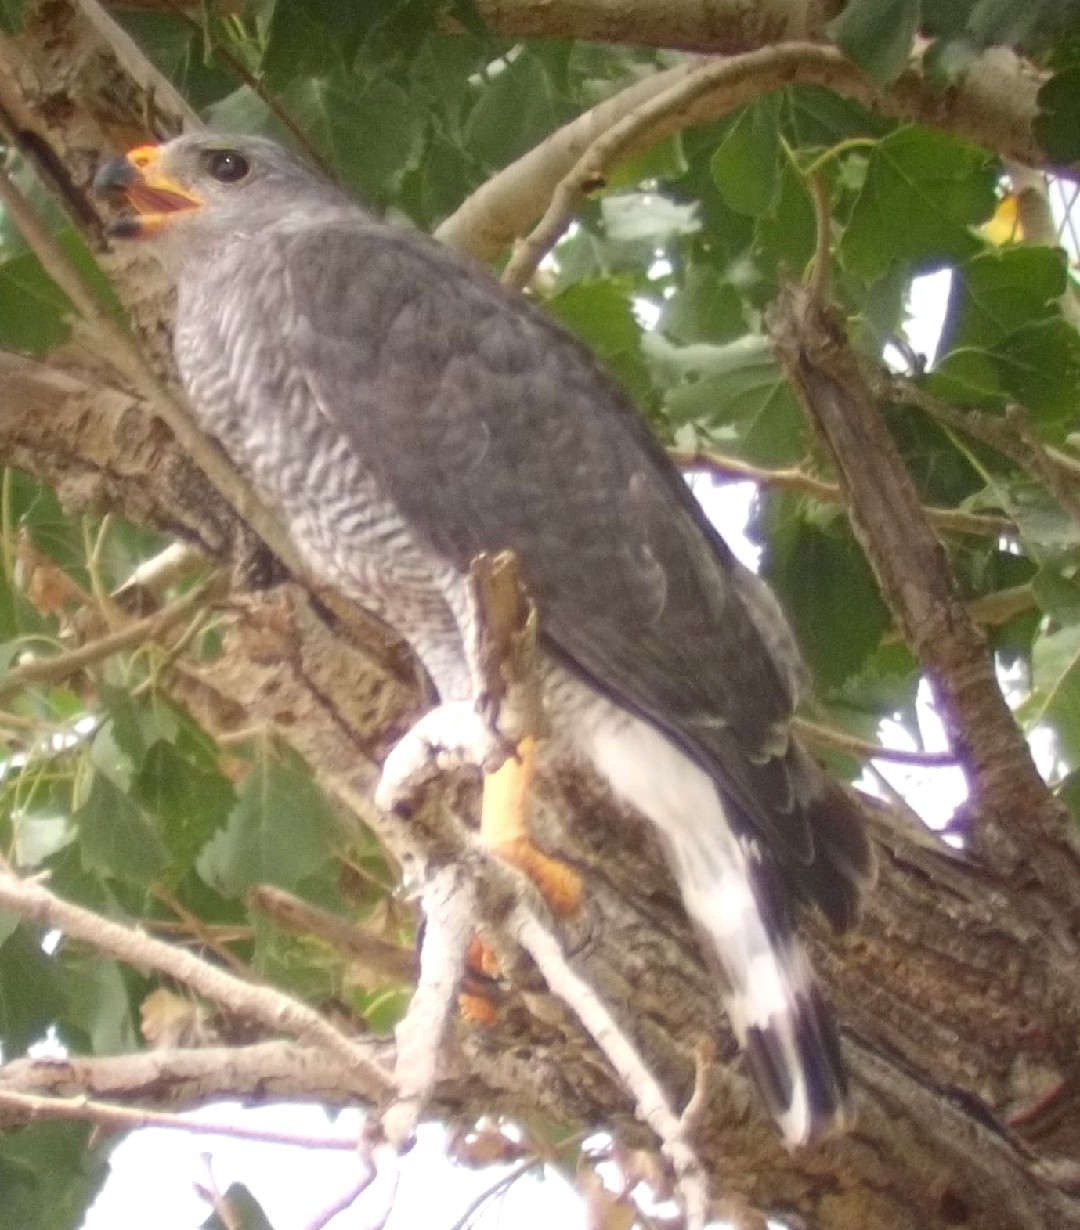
{"type": "Point", "coordinates": [1016, 822]}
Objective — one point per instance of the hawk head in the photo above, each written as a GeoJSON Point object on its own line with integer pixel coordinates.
{"type": "Point", "coordinates": [200, 182]}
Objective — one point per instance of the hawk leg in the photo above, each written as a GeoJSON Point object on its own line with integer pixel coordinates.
{"type": "Point", "coordinates": [504, 829]}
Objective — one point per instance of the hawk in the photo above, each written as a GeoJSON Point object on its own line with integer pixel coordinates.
{"type": "Point", "coordinates": [404, 413]}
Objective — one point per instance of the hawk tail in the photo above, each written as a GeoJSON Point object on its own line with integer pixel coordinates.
{"type": "Point", "coordinates": [733, 893]}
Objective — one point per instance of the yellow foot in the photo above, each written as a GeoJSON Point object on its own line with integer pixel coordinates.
{"type": "Point", "coordinates": [476, 1009]}
{"type": "Point", "coordinates": [560, 885]}
{"type": "Point", "coordinates": [503, 828]}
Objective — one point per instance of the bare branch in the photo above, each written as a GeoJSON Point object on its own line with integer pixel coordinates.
{"type": "Point", "coordinates": [829, 736]}
{"type": "Point", "coordinates": [16, 1107]}
{"type": "Point", "coordinates": [275, 1009]}
{"type": "Point", "coordinates": [994, 105]}
{"type": "Point", "coordinates": [140, 632]}
{"type": "Point", "coordinates": [955, 520]}
{"type": "Point", "coordinates": [375, 957]}
{"type": "Point", "coordinates": [186, 1077]}
{"type": "Point", "coordinates": [915, 579]}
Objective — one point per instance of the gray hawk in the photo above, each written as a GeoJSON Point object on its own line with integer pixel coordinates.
{"type": "Point", "coordinates": [405, 413]}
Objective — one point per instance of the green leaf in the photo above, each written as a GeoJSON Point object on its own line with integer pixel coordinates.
{"type": "Point", "coordinates": [1055, 692]}
{"type": "Point", "coordinates": [191, 798]}
{"type": "Point", "coordinates": [116, 837]}
{"type": "Point", "coordinates": [816, 118]}
{"type": "Point", "coordinates": [705, 308]}
{"type": "Point", "coordinates": [601, 314]}
{"type": "Point", "coordinates": [1057, 126]}
{"type": "Point", "coordinates": [514, 111]}
{"type": "Point", "coordinates": [999, 291]}
{"type": "Point", "coordinates": [664, 159]}
{"type": "Point", "coordinates": [49, 1172]}
{"type": "Point", "coordinates": [35, 315]}
{"type": "Point", "coordinates": [824, 585]}
{"type": "Point", "coordinates": [746, 165]}
{"type": "Point", "coordinates": [1057, 596]}
{"type": "Point", "coordinates": [279, 831]}
{"type": "Point", "coordinates": [734, 394]}
{"type": "Point", "coordinates": [1030, 27]}
{"type": "Point", "coordinates": [1047, 532]}
{"type": "Point", "coordinates": [180, 53]}
{"type": "Point", "coordinates": [30, 995]}
{"type": "Point", "coordinates": [12, 16]}
{"type": "Point", "coordinates": [923, 193]}
{"type": "Point", "coordinates": [97, 1011]}
{"type": "Point", "coordinates": [787, 237]}
{"type": "Point", "coordinates": [878, 35]}
{"type": "Point", "coordinates": [1005, 303]}
{"type": "Point", "coordinates": [370, 135]}
{"type": "Point", "coordinates": [970, 377]}
{"type": "Point", "coordinates": [308, 38]}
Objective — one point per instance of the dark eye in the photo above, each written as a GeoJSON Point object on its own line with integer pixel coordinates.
{"type": "Point", "coordinates": [226, 165]}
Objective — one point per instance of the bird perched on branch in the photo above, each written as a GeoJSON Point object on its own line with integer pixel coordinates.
{"type": "Point", "coordinates": [405, 413]}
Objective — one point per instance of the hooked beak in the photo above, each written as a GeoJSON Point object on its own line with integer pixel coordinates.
{"type": "Point", "coordinates": [136, 179]}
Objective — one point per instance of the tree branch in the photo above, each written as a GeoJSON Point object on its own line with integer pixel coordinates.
{"type": "Point", "coordinates": [139, 632]}
{"type": "Point", "coordinates": [274, 1009]}
{"type": "Point", "coordinates": [954, 520]}
{"type": "Point", "coordinates": [915, 579]}
{"type": "Point", "coordinates": [994, 104]}
{"type": "Point", "coordinates": [17, 1108]}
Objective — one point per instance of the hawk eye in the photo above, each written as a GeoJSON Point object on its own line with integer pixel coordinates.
{"type": "Point", "coordinates": [227, 166]}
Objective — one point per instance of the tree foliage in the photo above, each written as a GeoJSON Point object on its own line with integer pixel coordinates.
{"type": "Point", "coordinates": [191, 750]}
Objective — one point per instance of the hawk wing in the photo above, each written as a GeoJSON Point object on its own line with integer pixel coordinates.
{"type": "Point", "coordinates": [488, 427]}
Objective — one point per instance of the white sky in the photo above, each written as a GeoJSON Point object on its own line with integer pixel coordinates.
{"type": "Point", "coordinates": [156, 1171]}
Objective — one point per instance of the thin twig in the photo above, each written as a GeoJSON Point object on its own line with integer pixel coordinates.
{"type": "Point", "coordinates": [704, 1070]}
{"type": "Point", "coordinates": [991, 429]}
{"type": "Point", "coordinates": [125, 1118]}
{"type": "Point", "coordinates": [652, 1103]}
{"type": "Point", "coordinates": [197, 930]}
{"type": "Point", "coordinates": [1061, 485]}
{"type": "Point", "coordinates": [347, 1198]}
{"type": "Point", "coordinates": [829, 736]}
{"type": "Point", "coordinates": [275, 1009]}
{"type": "Point", "coordinates": [794, 479]}
{"type": "Point", "coordinates": [377, 956]}
{"type": "Point", "coordinates": [141, 631]}
{"type": "Point", "coordinates": [819, 273]}
{"type": "Point", "coordinates": [501, 1184]}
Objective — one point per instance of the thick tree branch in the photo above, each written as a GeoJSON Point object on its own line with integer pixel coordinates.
{"type": "Point", "coordinates": [994, 105]}
{"type": "Point", "coordinates": [1019, 824]}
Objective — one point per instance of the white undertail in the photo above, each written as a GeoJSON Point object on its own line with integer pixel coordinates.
{"type": "Point", "coordinates": [730, 893]}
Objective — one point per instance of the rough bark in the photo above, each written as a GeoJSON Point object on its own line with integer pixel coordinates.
{"type": "Point", "coordinates": [959, 1012]}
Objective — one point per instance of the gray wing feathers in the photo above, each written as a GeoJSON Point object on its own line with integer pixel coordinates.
{"type": "Point", "coordinates": [490, 427]}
